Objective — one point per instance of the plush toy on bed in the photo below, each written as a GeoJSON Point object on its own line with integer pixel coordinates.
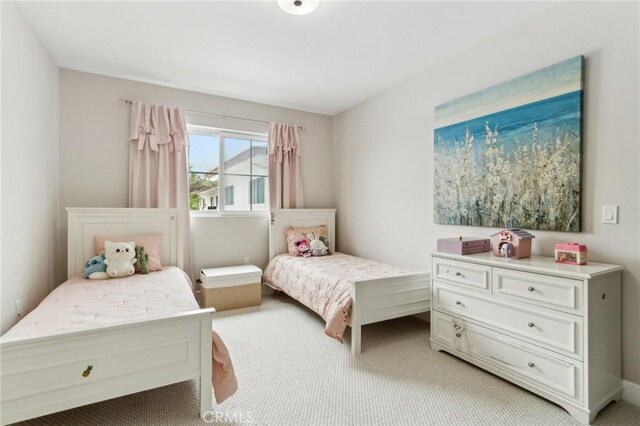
{"type": "Point", "coordinates": [95, 269]}
{"type": "Point", "coordinates": [141, 260]}
{"type": "Point", "coordinates": [120, 258]}
{"type": "Point", "coordinates": [302, 247]}
{"type": "Point", "coordinates": [318, 245]}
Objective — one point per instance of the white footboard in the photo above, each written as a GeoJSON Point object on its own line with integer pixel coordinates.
{"type": "Point", "coordinates": [386, 298]}
{"type": "Point", "coordinates": [48, 374]}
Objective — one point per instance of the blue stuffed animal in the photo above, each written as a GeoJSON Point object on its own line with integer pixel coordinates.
{"type": "Point", "coordinates": [95, 268]}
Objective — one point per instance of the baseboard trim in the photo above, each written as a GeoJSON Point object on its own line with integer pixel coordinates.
{"type": "Point", "coordinates": [631, 392]}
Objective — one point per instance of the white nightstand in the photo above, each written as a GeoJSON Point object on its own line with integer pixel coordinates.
{"type": "Point", "coordinates": [231, 287]}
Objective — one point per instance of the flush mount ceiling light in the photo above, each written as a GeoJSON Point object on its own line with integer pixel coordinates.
{"type": "Point", "coordinates": [298, 7]}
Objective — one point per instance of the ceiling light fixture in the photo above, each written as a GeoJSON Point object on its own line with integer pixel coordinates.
{"type": "Point", "coordinates": [298, 7]}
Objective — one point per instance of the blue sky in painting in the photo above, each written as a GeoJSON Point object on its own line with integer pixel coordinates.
{"type": "Point", "coordinates": [548, 82]}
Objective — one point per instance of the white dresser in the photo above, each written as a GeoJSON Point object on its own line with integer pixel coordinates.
{"type": "Point", "coordinates": [551, 328]}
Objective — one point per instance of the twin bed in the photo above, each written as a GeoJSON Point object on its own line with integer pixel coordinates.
{"type": "Point", "coordinates": [344, 290]}
{"type": "Point", "coordinates": [90, 341]}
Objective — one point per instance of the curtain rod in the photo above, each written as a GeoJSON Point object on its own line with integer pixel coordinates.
{"type": "Point", "coordinates": [222, 116]}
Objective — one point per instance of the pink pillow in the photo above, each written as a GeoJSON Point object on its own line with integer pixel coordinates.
{"type": "Point", "coordinates": [309, 233]}
{"type": "Point", "coordinates": [151, 243]}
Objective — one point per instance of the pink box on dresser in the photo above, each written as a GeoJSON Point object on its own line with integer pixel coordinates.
{"type": "Point", "coordinates": [572, 253]}
{"type": "Point", "coordinates": [463, 245]}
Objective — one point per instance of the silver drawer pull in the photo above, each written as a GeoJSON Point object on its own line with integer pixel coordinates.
{"type": "Point", "coordinates": [458, 302]}
{"type": "Point", "coordinates": [530, 324]}
{"type": "Point", "coordinates": [458, 274]}
{"type": "Point", "coordinates": [530, 364]}
{"type": "Point", "coordinates": [531, 289]}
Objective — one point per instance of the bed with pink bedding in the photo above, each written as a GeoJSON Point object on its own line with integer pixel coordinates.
{"type": "Point", "coordinates": [324, 283]}
{"type": "Point", "coordinates": [93, 340]}
{"type": "Point", "coordinates": [81, 303]}
{"type": "Point", "coordinates": [344, 290]}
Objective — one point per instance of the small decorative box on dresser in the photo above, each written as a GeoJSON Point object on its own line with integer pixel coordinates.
{"type": "Point", "coordinates": [551, 328]}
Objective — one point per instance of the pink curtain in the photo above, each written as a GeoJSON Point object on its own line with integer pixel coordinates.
{"type": "Point", "coordinates": [285, 181]}
{"type": "Point", "coordinates": [158, 171]}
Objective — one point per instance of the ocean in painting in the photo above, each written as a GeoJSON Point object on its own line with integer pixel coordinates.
{"type": "Point", "coordinates": [560, 112]}
{"type": "Point", "coordinates": [515, 167]}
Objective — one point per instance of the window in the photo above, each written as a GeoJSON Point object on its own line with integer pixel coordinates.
{"type": "Point", "coordinates": [257, 190]}
{"type": "Point", "coordinates": [228, 196]}
{"type": "Point", "coordinates": [236, 162]}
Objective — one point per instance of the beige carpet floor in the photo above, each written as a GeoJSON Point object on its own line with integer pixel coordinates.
{"type": "Point", "coordinates": [290, 373]}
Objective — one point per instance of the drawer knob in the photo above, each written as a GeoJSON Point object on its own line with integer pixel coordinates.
{"type": "Point", "coordinates": [458, 302]}
{"type": "Point", "coordinates": [458, 274]}
{"type": "Point", "coordinates": [86, 372]}
{"type": "Point", "coordinates": [531, 289]}
{"type": "Point", "coordinates": [458, 334]}
{"type": "Point", "coordinates": [530, 364]}
{"type": "Point", "coordinates": [530, 324]}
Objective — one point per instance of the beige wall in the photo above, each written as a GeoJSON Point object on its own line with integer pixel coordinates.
{"type": "Point", "coordinates": [94, 158]}
{"type": "Point", "coordinates": [29, 166]}
{"type": "Point", "coordinates": [383, 148]}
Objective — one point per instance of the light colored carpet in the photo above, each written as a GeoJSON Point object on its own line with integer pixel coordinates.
{"type": "Point", "coordinates": [290, 373]}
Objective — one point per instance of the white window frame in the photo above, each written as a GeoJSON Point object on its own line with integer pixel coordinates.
{"type": "Point", "coordinates": [222, 134]}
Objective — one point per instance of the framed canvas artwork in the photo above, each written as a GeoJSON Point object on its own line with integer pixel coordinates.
{"type": "Point", "coordinates": [510, 155]}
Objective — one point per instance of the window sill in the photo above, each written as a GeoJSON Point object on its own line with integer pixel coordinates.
{"type": "Point", "coordinates": [217, 214]}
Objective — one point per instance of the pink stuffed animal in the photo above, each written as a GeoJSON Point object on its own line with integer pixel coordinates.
{"type": "Point", "coordinates": [303, 248]}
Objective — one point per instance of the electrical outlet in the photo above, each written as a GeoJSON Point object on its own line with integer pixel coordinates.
{"type": "Point", "coordinates": [18, 309]}
{"type": "Point", "coordinates": [246, 260]}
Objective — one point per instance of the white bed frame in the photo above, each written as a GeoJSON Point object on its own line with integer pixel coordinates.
{"type": "Point", "coordinates": [373, 300]}
{"type": "Point", "coordinates": [44, 375]}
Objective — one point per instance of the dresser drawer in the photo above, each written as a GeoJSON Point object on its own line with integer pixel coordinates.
{"type": "Point", "coordinates": [548, 329]}
{"type": "Point", "coordinates": [555, 375]}
{"type": "Point", "coordinates": [472, 276]}
{"type": "Point", "coordinates": [538, 289]}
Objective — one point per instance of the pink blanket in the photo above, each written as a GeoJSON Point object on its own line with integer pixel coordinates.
{"type": "Point", "coordinates": [222, 374]}
{"type": "Point", "coordinates": [82, 303]}
{"type": "Point", "coordinates": [324, 283]}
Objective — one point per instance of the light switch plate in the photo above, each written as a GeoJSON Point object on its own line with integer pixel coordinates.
{"type": "Point", "coordinates": [610, 214]}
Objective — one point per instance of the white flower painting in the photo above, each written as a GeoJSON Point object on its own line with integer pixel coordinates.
{"type": "Point", "coordinates": [509, 156]}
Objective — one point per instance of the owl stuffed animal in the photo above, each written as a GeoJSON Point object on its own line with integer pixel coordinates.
{"type": "Point", "coordinates": [120, 258]}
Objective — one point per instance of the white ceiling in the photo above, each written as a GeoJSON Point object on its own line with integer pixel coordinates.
{"type": "Point", "coordinates": [326, 62]}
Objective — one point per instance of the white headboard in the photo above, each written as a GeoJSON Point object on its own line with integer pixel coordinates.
{"type": "Point", "coordinates": [84, 223]}
{"type": "Point", "coordinates": [283, 218]}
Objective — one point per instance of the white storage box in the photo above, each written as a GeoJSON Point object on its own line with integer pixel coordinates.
{"type": "Point", "coordinates": [231, 287]}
